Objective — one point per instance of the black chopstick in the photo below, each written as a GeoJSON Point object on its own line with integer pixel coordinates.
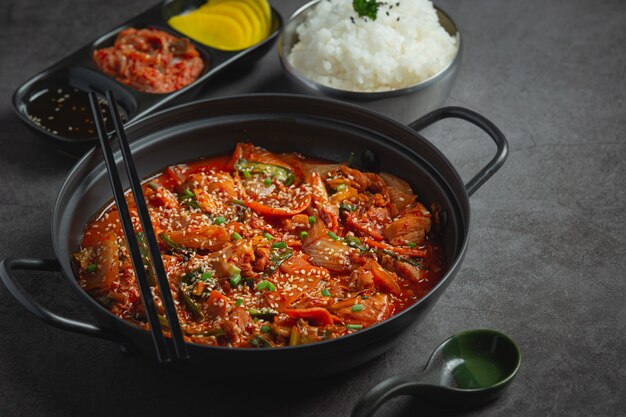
{"type": "Point", "coordinates": [163, 355]}
{"type": "Point", "coordinates": [146, 224]}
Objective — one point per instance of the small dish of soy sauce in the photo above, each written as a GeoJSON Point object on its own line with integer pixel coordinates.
{"type": "Point", "coordinates": [61, 109]}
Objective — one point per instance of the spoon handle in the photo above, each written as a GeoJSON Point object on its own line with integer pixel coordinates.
{"type": "Point", "coordinates": [387, 389]}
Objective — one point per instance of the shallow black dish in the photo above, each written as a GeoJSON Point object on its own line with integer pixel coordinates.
{"type": "Point", "coordinates": [316, 127]}
{"type": "Point", "coordinates": [79, 71]}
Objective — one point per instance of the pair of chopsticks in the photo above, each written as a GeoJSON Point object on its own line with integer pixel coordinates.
{"type": "Point", "coordinates": [163, 351]}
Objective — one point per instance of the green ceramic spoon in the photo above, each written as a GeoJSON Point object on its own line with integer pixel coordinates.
{"type": "Point", "coordinates": [468, 369]}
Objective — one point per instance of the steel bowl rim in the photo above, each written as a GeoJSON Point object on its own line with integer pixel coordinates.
{"type": "Point", "coordinates": [363, 95]}
{"type": "Point", "coordinates": [84, 160]}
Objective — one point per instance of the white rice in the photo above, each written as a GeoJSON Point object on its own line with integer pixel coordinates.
{"type": "Point", "coordinates": [402, 47]}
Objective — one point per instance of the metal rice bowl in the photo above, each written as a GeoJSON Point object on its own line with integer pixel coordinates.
{"type": "Point", "coordinates": [404, 105]}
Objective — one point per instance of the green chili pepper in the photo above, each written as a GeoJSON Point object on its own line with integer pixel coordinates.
{"type": "Point", "coordinates": [238, 202]}
{"type": "Point", "coordinates": [333, 236]}
{"type": "Point", "coordinates": [168, 240]}
{"type": "Point", "coordinates": [268, 236]}
{"type": "Point", "coordinates": [239, 302]}
{"type": "Point", "coordinates": [355, 242]}
{"type": "Point", "coordinates": [219, 220]}
{"type": "Point", "coordinates": [91, 268]}
{"type": "Point", "coordinates": [186, 294]}
{"type": "Point", "coordinates": [354, 326]}
{"type": "Point", "coordinates": [279, 245]}
{"type": "Point", "coordinates": [153, 185]}
{"type": "Point", "coordinates": [215, 332]}
{"type": "Point", "coordinates": [347, 207]}
{"type": "Point", "coordinates": [311, 219]}
{"type": "Point", "coordinates": [277, 258]}
{"type": "Point", "coordinates": [259, 342]}
{"type": "Point", "coordinates": [236, 236]}
{"type": "Point", "coordinates": [406, 259]}
{"type": "Point", "coordinates": [264, 313]}
{"type": "Point", "coordinates": [325, 293]}
{"type": "Point", "coordinates": [350, 159]}
{"type": "Point", "coordinates": [189, 198]}
{"type": "Point", "coordinates": [357, 307]}
{"type": "Point", "coordinates": [145, 257]}
{"type": "Point", "coordinates": [304, 235]}
{"type": "Point", "coordinates": [282, 174]}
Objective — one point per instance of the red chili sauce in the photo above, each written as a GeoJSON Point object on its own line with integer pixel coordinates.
{"type": "Point", "coordinates": [265, 249]}
{"type": "Point", "coordinates": [150, 60]}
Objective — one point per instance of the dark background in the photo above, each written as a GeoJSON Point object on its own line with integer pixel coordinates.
{"type": "Point", "coordinates": [546, 259]}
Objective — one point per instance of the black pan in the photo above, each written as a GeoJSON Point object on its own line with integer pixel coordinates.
{"type": "Point", "coordinates": [315, 127]}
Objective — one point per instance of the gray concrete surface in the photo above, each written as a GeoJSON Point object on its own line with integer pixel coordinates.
{"type": "Point", "coordinates": [545, 263]}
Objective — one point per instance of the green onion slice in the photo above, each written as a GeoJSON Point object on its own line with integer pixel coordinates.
{"type": "Point", "coordinates": [235, 280]}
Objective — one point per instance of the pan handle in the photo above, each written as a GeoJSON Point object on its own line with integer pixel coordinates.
{"type": "Point", "coordinates": [8, 265]}
{"type": "Point", "coordinates": [480, 122]}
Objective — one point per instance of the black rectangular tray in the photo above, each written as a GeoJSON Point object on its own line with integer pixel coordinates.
{"type": "Point", "coordinates": [79, 70]}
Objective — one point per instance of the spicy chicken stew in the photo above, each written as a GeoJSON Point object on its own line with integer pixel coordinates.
{"type": "Point", "coordinates": [265, 249]}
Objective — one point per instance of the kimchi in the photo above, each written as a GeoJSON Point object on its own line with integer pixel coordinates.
{"type": "Point", "coordinates": [150, 60]}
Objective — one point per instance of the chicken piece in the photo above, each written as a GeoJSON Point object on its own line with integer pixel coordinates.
{"type": "Point", "coordinates": [362, 181]}
{"type": "Point", "coordinates": [240, 254]}
{"type": "Point", "coordinates": [205, 237]}
{"type": "Point", "coordinates": [328, 211]}
{"type": "Point", "coordinates": [98, 265]}
{"type": "Point", "coordinates": [409, 227]}
{"type": "Point", "coordinates": [327, 251]}
{"type": "Point", "coordinates": [400, 193]}
{"type": "Point", "coordinates": [410, 272]}
{"type": "Point", "coordinates": [253, 153]}
{"type": "Point", "coordinates": [375, 308]}
{"type": "Point", "coordinates": [220, 184]}
{"type": "Point", "coordinates": [363, 278]}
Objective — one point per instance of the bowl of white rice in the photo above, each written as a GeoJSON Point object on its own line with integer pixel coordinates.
{"type": "Point", "coordinates": [403, 63]}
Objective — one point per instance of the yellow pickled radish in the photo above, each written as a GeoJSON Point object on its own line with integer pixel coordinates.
{"type": "Point", "coordinates": [254, 14]}
{"type": "Point", "coordinates": [213, 30]}
{"type": "Point", "coordinates": [227, 24]}
{"type": "Point", "coordinates": [267, 10]}
{"type": "Point", "coordinates": [261, 5]}
{"type": "Point", "coordinates": [265, 22]}
{"type": "Point", "coordinates": [224, 9]}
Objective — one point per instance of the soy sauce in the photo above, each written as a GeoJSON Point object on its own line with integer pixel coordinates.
{"type": "Point", "coordinates": [64, 110]}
